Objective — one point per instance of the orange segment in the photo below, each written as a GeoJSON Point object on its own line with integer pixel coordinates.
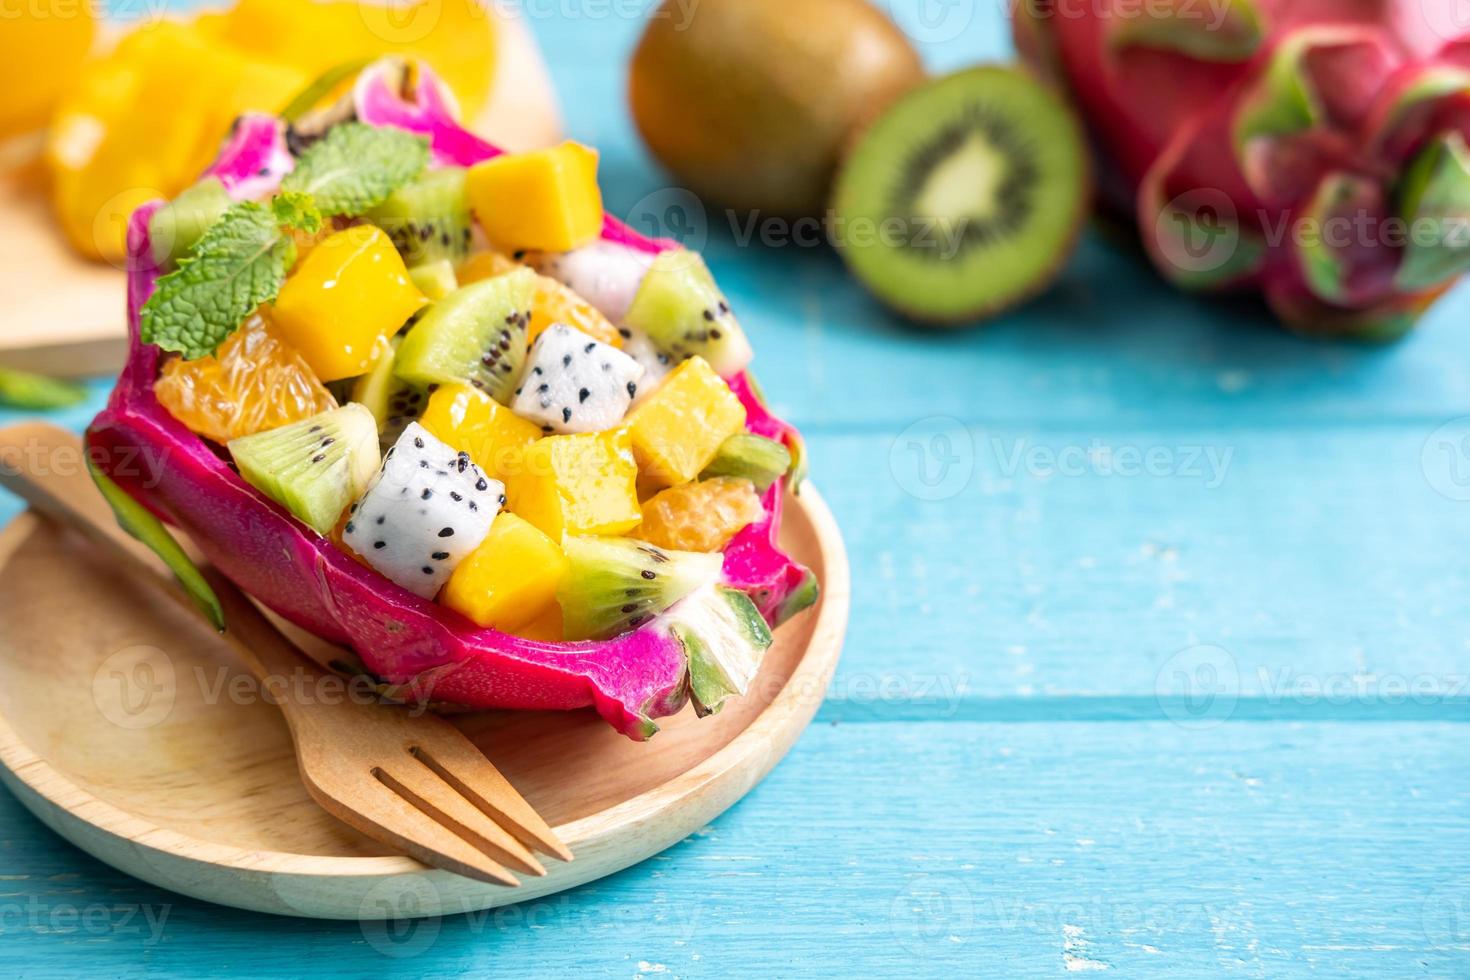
{"type": "Point", "coordinates": [254, 382]}
{"type": "Point", "coordinates": [700, 516]}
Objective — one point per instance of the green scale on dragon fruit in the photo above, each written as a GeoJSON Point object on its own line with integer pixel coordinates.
{"type": "Point", "coordinates": [423, 514]}
{"type": "Point", "coordinates": [418, 648]}
{"type": "Point", "coordinates": [671, 299]}
{"type": "Point", "coordinates": [574, 383]}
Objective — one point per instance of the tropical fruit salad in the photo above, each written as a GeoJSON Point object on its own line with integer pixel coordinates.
{"type": "Point", "coordinates": [428, 401]}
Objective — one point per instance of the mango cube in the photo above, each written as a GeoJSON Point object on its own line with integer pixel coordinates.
{"type": "Point", "coordinates": [679, 428]}
{"type": "Point", "coordinates": [471, 421]}
{"type": "Point", "coordinates": [349, 294]}
{"type": "Point", "coordinates": [510, 580]}
{"type": "Point", "coordinates": [546, 199]}
{"type": "Point", "coordinates": [578, 484]}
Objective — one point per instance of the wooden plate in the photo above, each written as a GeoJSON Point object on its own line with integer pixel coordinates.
{"type": "Point", "coordinates": [63, 314]}
{"type": "Point", "coordinates": [128, 728]}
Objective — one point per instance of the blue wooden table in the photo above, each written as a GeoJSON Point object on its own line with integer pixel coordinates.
{"type": "Point", "coordinates": [1159, 662]}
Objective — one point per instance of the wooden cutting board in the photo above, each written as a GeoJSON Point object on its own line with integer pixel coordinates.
{"type": "Point", "coordinates": [63, 315]}
{"type": "Point", "coordinates": [129, 728]}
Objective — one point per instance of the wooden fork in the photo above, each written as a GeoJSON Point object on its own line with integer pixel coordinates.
{"type": "Point", "coordinates": [414, 783]}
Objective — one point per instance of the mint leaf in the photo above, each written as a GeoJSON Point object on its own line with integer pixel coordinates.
{"type": "Point", "coordinates": [239, 263]}
{"type": "Point", "coordinates": [21, 389]}
{"type": "Point", "coordinates": [355, 167]}
{"type": "Point", "coordinates": [296, 210]}
{"type": "Point", "coordinates": [139, 521]}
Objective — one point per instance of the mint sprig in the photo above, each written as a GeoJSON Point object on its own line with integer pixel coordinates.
{"type": "Point", "coordinates": [240, 262]}
{"type": "Point", "coordinates": [356, 166]}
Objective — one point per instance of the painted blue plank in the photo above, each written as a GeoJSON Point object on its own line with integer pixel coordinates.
{"type": "Point", "coordinates": [996, 850]}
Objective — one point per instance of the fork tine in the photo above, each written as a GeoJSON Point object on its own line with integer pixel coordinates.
{"type": "Point", "coordinates": [423, 788]}
{"type": "Point", "coordinates": [380, 813]}
{"type": "Point", "coordinates": [463, 766]}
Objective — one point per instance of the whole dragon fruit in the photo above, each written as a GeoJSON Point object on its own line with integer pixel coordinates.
{"type": "Point", "coordinates": [1314, 150]}
{"type": "Point", "coordinates": [421, 650]}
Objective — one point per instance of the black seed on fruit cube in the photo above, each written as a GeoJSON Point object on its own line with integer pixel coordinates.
{"type": "Point", "coordinates": [427, 570]}
{"type": "Point", "coordinates": [380, 545]}
{"type": "Point", "coordinates": [447, 532]}
{"type": "Point", "coordinates": [318, 457]}
{"type": "Point", "coordinates": [418, 443]}
{"type": "Point", "coordinates": [566, 415]}
{"type": "Point", "coordinates": [351, 527]}
{"type": "Point", "coordinates": [480, 484]}
{"type": "Point", "coordinates": [649, 574]}
{"type": "Point", "coordinates": [715, 334]}
{"type": "Point", "coordinates": [502, 500]}
{"type": "Point", "coordinates": [709, 315]}
{"type": "Point", "coordinates": [626, 333]}
{"type": "Point", "coordinates": [632, 389]}
{"type": "Point", "coordinates": [440, 555]}
{"type": "Point", "coordinates": [630, 607]}
{"type": "Point", "coordinates": [566, 360]}
{"type": "Point", "coordinates": [543, 389]}
{"type": "Point", "coordinates": [590, 347]}
{"type": "Point", "coordinates": [381, 520]}
{"type": "Point", "coordinates": [535, 370]}
{"type": "Point", "coordinates": [583, 395]}
{"type": "Point", "coordinates": [427, 494]}
{"type": "Point", "coordinates": [454, 496]}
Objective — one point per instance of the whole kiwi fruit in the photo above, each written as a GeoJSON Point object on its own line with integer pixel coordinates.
{"type": "Point", "coordinates": [751, 103]}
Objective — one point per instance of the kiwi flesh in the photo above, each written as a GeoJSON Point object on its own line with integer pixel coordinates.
{"type": "Point", "coordinates": [174, 228]}
{"type": "Point", "coordinates": [476, 335]}
{"type": "Point", "coordinates": [751, 102]}
{"type": "Point", "coordinates": [684, 313]}
{"type": "Point", "coordinates": [314, 468]}
{"type": "Point", "coordinates": [429, 219]}
{"type": "Point", "coordinates": [436, 279]}
{"type": "Point", "coordinates": [393, 403]}
{"type": "Point", "coordinates": [964, 198]}
{"type": "Point", "coordinates": [613, 585]}
{"type": "Point", "coordinates": [755, 458]}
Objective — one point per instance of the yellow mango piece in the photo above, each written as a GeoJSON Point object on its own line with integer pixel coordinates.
{"type": "Point", "coordinates": [679, 428]}
{"type": "Point", "coordinates": [41, 45]}
{"type": "Point", "coordinates": [456, 37]}
{"type": "Point", "coordinates": [547, 627]}
{"type": "Point", "coordinates": [143, 121]}
{"type": "Point", "coordinates": [555, 302]}
{"type": "Point", "coordinates": [471, 421]}
{"type": "Point", "coordinates": [546, 199]}
{"type": "Point", "coordinates": [344, 298]}
{"type": "Point", "coordinates": [510, 580]}
{"type": "Point", "coordinates": [578, 484]}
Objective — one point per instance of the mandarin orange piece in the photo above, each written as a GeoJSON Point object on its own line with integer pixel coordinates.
{"type": "Point", "coordinates": [701, 516]}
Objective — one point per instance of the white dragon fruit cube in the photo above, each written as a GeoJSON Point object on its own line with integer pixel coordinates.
{"type": "Point", "coordinates": [425, 511]}
{"type": "Point", "coordinates": [605, 274]}
{"type": "Point", "coordinates": [573, 383]}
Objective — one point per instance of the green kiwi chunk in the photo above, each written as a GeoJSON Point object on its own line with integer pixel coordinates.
{"type": "Point", "coordinates": [393, 403]}
{"type": "Point", "coordinates": [965, 197]}
{"type": "Point", "coordinates": [760, 460]}
{"type": "Point", "coordinates": [725, 638]}
{"type": "Point", "coordinates": [613, 585]}
{"type": "Point", "coordinates": [476, 335]}
{"type": "Point", "coordinates": [684, 313]}
{"type": "Point", "coordinates": [174, 228]}
{"type": "Point", "coordinates": [436, 279]}
{"type": "Point", "coordinates": [429, 219]}
{"type": "Point", "coordinates": [314, 468]}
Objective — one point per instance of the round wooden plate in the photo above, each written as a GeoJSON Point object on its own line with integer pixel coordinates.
{"type": "Point", "coordinates": [128, 728]}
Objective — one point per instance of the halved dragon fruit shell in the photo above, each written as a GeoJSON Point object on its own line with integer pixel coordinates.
{"type": "Point", "coordinates": [424, 651]}
{"type": "Point", "coordinates": [254, 158]}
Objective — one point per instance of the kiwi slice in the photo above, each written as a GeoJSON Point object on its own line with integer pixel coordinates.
{"type": "Point", "coordinates": [683, 312]}
{"type": "Point", "coordinates": [314, 468]}
{"type": "Point", "coordinates": [436, 279]}
{"type": "Point", "coordinates": [393, 403]}
{"type": "Point", "coordinates": [965, 197]}
{"type": "Point", "coordinates": [613, 585]}
{"type": "Point", "coordinates": [755, 458]}
{"type": "Point", "coordinates": [428, 219]}
{"type": "Point", "coordinates": [174, 228]}
{"type": "Point", "coordinates": [476, 335]}
{"type": "Point", "coordinates": [725, 638]}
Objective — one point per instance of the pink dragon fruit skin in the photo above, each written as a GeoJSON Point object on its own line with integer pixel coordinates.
{"type": "Point", "coordinates": [1235, 132]}
{"type": "Point", "coordinates": [422, 650]}
{"type": "Point", "coordinates": [255, 157]}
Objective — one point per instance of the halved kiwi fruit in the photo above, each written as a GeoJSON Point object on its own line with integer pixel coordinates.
{"type": "Point", "coordinates": [965, 197]}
